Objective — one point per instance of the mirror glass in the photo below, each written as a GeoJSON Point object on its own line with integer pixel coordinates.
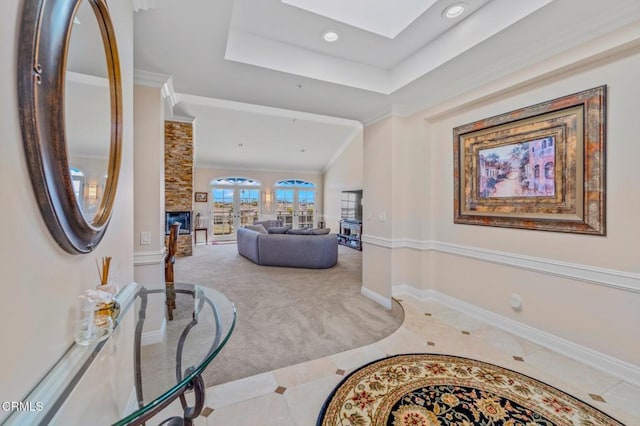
{"type": "Point", "coordinates": [71, 115]}
{"type": "Point", "coordinates": [87, 111]}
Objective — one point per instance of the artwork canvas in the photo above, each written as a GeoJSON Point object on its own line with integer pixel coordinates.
{"type": "Point", "coordinates": [523, 169]}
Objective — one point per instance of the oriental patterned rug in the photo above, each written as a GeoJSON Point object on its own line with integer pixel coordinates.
{"type": "Point", "coordinates": [428, 390]}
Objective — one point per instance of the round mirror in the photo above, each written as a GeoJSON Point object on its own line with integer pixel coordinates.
{"type": "Point", "coordinates": [87, 112]}
{"type": "Point", "coordinates": [70, 99]}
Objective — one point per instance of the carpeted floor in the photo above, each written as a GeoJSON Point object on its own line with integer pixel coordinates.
{"type": "Point", "coordinates": [286, 315]}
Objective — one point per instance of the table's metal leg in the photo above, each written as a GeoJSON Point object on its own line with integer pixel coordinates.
{"type": "Point", "coordinates": [196, 384]}
{"type": "Point", "coordinates": [137, 346]}
{"type": "Point", "coordinates": [190, 412]}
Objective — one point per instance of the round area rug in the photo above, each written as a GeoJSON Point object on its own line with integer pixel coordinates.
{"type": "Point", "coordinates": [429, 390]}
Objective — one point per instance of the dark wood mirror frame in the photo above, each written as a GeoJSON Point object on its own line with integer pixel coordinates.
{"type": "Point", "coordinates": [45, 32]}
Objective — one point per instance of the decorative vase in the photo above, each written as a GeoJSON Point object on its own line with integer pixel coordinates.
{"type": "Point", "coordinates": [111, 309]}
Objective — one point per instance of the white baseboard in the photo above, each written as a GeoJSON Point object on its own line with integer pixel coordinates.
{"type": "Point", "coordinates": [156, 336]}
{"type": "Point", "coordinates": [621, 369]}
{"type": "Point", "coordinates": [384, 301]}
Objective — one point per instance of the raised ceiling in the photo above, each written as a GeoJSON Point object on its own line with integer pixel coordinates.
{"type": "Point", "coordinates": [270, 53]}
{"type": "Point", "coordinates": [274, 35]}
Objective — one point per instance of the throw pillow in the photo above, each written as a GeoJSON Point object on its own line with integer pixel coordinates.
{"type": "Point", "coordinates": [258, 228]}
{"type": "Point", "coordinates": [278, 229]}
{"type": "Point", "coordinates": [299, 231]}
{"type": "Point", "coordinates": [323, 231]}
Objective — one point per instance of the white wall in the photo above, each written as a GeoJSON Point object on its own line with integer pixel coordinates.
{"type": "Point", "coordinates": [598, 317]}
{"type": "Point", "coordinates": [149, 199]}
{"type": "Point", "coordinates": [345, 174]}
{"type": "Point", "coordinates": [598, 312]}
{"type": "Point", "coordinates": [377, 199]}
{"type": "Point", "coordinates": [149, 167]}
{"type": "Point", "coordinates": [41, 281]}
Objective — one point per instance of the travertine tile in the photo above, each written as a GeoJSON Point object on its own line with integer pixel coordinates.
{"type": "Point", "coordinates": [305, 372]}
{"type": "Point", "coordinates": [459, 320]}
{"type": "Point", "coordinates": [505, 341]}
{"type": "Point", "coordinates": [253, 401]}
{"type": "Point", "coordinates": [356, 357]}
{"type": "Point", "coordinates": [625, 397]}
{"type": "Point", "coordinates": [306, 400]}
{"type": "Point", "coordinates": [565, 369]}
{"type": "Point", "coordinates": [267, 410]}
{"type": "Point", "coordinates": [240, 390]}
{"type": "Point", "coordinates": [402, 341]}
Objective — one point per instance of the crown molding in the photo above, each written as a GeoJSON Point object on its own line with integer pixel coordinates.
{"type": "Point", "coordinates": [139, 5]}
{"type": "Point", "coordinates": [266, 110]}
{"type": "Point", "coordinates": [150, 79]}
{"type": "Point", "coordinates": [164, 82]}
{"type": "Point", "coordinates": [86, 79]}
{"type": "Point", "coordinates": [182, 119]}
{"type": "Point", "coordinates": [589, 54]}
{"type": "Point", "coordinates": [231, 168]}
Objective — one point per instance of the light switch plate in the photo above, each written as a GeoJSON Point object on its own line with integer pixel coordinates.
{"type": "Point", "coordinates": [145, 238]}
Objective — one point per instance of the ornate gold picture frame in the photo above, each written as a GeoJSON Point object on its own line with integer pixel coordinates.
{"type": "Point", "coordinates": [540, 167]}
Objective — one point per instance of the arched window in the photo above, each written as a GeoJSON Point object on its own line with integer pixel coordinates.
{"type": "Point", "coordinates": [296, 202]}
{"type": "Point", "coordinates": [536, 171]}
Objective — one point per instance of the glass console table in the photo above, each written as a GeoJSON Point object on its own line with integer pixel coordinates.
{"type": "Point", "coordinates": [164, 371]}
{"type": "Point", "coordinates": [202, 323]}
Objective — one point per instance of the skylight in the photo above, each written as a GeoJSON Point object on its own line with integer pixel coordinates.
{"type": "Point", "coordinates": [387, 18]}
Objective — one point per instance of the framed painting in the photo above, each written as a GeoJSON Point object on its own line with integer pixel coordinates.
{"type": "Point", "coordinates": [540, 167]}
{"type": "Point", "coordinates": [201, 197]}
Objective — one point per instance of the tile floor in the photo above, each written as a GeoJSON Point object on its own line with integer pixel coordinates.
{"type": "Point", "coordinates": [294, 395]}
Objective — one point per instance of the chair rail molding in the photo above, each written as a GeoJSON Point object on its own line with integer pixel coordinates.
{"type": "Point", "coordinates": [622, 369]}
{"type": "Point", "coordinates": [620, 280]}
{"type": "Point", "coordinates": [149, 257]}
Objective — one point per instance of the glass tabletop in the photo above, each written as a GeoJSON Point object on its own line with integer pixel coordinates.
{"type": "Point", "coordinates": [203, 320]}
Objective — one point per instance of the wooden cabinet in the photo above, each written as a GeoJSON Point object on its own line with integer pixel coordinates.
{"type": "Point", "coordinates": [350, 233]}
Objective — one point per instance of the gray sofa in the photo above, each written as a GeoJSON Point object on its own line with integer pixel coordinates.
{"type": "Point", "coordinates": [295, 251]}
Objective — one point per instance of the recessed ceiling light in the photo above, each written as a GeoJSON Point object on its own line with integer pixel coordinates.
{"type": "Point", "coordinates": [454, 10]}
{"type": "Point", "coordinates": [330, 36]}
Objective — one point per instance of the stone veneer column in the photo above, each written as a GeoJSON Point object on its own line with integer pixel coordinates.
{"type": "Point", "coordinates": [178, 175]}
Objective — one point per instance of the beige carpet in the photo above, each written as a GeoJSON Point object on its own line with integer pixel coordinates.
{"type": "Point", "coordinates": [286, 315]}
